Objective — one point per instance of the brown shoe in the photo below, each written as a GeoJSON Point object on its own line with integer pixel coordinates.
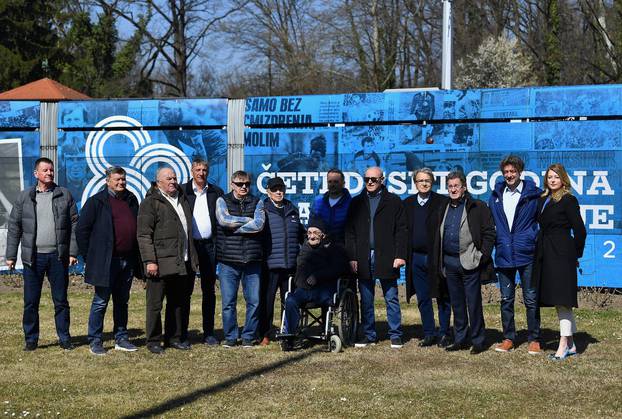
{"type": "Point", "coordinates": [506, 346]}
{"type": "Point", "coordinates": [265, 341]}
{"type": "Point", "coordinates": [534, 348]}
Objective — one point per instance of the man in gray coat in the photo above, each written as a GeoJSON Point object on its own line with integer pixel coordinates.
{"type": "Point", "coordinates": [44, 219]}
{"type": "Point", "coordinates": [164, 239]}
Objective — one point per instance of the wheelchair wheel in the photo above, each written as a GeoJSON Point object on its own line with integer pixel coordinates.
{"type": "Point", "coordinates": [347, 316]}
{"type": "Point", "coordinates": [334, 344]}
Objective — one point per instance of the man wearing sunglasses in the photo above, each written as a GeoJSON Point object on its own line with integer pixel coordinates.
{"type": "Point", "coordinates": [376, 242]}
{"type": "Point", "coordinates": [239, 251]}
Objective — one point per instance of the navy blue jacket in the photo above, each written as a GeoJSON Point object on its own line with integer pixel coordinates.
{"type": "Point", "coordinates": [95, 237]}
{"type": "Point", "coordinates": [335, 216]}
{"type": "Point", "coordinates": [282, 235]}
{"type": "Point", "coordinates": [515, 248]}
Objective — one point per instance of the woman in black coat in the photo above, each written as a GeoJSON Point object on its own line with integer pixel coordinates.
{"type": "Point", "coordinates": [558, 252]}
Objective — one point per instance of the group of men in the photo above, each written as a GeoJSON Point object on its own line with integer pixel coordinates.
{"type": "Point", "coordinates": [445, 243]}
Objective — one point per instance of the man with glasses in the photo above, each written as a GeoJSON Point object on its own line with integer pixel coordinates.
{"type": "Point", "coordinates": [332, 207]}
{"type": "Point", "coordinates": [376, 243]}
{"type": "Point", "coordinates": [202, 197]}
{"type": "Point", "coordinates": [239, 251]}
{"type": "Point", "coordinates": [283, 234]}
{"type": "Point", "coordinates": [319, 266]}
{"type": "Point", "coordinates": [423, 213]}
{"type": "Point", "coordinates": [462, 254]}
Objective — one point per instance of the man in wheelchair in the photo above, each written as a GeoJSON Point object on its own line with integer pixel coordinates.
{"type": "Point", "coordinates": [319, 266]}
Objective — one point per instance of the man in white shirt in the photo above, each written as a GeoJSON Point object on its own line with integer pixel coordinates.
{"type": "Point", "coordinates": [202, 197]}
{"type": "Point", "coordinates": [513, 205]}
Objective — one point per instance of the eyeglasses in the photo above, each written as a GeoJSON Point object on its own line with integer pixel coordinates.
{"type": "Point", "coordinates": [452, 187]}
{"type": "Point", "coordinates": [277, 189]}
{"type": "Point", "coordinates": [314, 233]}
{"type": "Point", "coordinates": [242, 184]}
{"type": "Point", "coordinates": [423, 181]}
{"type": "Point", "coordinates": [372, 179]}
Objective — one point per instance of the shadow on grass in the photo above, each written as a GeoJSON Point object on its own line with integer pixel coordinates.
{"type": "Point", "coordinates": [171, 404]}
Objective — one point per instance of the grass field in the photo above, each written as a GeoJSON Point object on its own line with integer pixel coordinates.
{"type": "Point", "coordinates": [260, 382]}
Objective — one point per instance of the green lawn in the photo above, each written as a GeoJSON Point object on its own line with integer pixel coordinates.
{"type": "Point", "coordinates": [372, 382]}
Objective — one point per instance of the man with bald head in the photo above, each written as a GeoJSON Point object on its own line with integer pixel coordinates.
{"type": "Point", "coordinates": [376, 242]}
{"type": "Point", "coordinates": [170, 260]}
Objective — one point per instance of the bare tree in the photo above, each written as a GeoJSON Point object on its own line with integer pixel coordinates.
{"type": "Point", "coordinates": [175, 32]}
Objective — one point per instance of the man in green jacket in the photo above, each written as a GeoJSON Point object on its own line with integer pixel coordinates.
{"type": "Point", "coordinates": [170, 259]}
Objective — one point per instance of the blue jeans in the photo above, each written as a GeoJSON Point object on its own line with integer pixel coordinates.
{"type": "Point", "coordinates": [465, 294]}
{"type": "Point", "coordinates": [56, 270]}
{"type": "Point", "coordinates": [391, 299]}
{"type": "Point", "coordinates": [507, 286]}
{"type": "Point", "coordinates": [320, 295]}
{"type": "Point", "coordinates": [230, 278]}
{"type": "Point", "coordinates": [119, 289]}
{"type": "Point", "coordinates": [424, 301]}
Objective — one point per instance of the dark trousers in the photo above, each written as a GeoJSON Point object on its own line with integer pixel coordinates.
{"type": "Point", "coordinates": [507, 286]}
{"type": "Point", "coordinates": [465, 294]}
{"type": "Point", "coordinates": [207, 269]}
{"type": "Point", "coordinates": [424, 301]}
{"type": "Point", "coordinates": [273, 279]}
{"type": "Point", "coordinates": [119, 289]}
{"type": "Point", "coordinates": [58, 277]}
{"type": "Point", "coordinates": [177, 290]}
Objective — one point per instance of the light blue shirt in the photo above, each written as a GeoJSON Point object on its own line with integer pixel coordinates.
{"type": "Point", "coordinates": [510, 202]}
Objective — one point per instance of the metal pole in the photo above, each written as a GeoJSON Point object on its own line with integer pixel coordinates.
{"type": "Point", "coordinates": [447, 44]}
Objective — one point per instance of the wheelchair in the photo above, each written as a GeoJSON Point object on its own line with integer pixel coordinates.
{"type": "Point", "coordinates": [337, 323]}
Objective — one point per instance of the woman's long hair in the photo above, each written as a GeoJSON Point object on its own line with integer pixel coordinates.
{"type": "Point", "coordinates": [565, 179]}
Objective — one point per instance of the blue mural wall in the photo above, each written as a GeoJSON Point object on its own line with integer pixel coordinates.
{"type": "Point", "coordinates": [301, 137]}
{"type": "Point", "coordinates": [139, 135]}
{"type": "Point", "coordinates": [19, 148]}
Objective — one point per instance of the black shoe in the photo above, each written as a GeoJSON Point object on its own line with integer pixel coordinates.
{"type": "Point", "coordinates": [457, 347]}
{"type": "Point", "coordinates": [155, 348]}
{"type": "Point", "coordinates": [30, 346]}
{"type": "Point", "coordinates": [182, 346]}
{"type": "Point", "coordinates": [427, 341]}
{"type": "Point", "coordinates": [229, 344]}
{"type": "Point", "coordinates": [66, 345]}
{"type": "Point", "coordinates": [444, 342]}
{"type": "Point", "coordinates": [478, 349]}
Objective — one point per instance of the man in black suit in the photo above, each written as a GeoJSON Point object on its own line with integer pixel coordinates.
{"type": "Point", "coordinates": [423, 211]}
{"type": "Point", "coordinates": [376, 241]}
{"type": "Point", "coordinates": [202, 198]}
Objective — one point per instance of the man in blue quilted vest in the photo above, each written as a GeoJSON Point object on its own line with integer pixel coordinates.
{"type": "Point", "coordinates": [239, 251]}
{"type": "Point", "coordinates": [283, 234]}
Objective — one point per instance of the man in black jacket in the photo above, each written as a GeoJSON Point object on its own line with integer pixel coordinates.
{"type": "Point", "coordinates": [462, 254]}
{"type": "Point", "coordinates": [202, 197]}
{"type": "Point", "coordinates": [376, 243]}
{"type": "Point", "coordinates": [106, 236]}
{"type": "Point", "coordinates": [170, 259]}
{"type": "Point", "coordinates": [423, 211]}
{"type": "Point", "coordinates": [319, 266]}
